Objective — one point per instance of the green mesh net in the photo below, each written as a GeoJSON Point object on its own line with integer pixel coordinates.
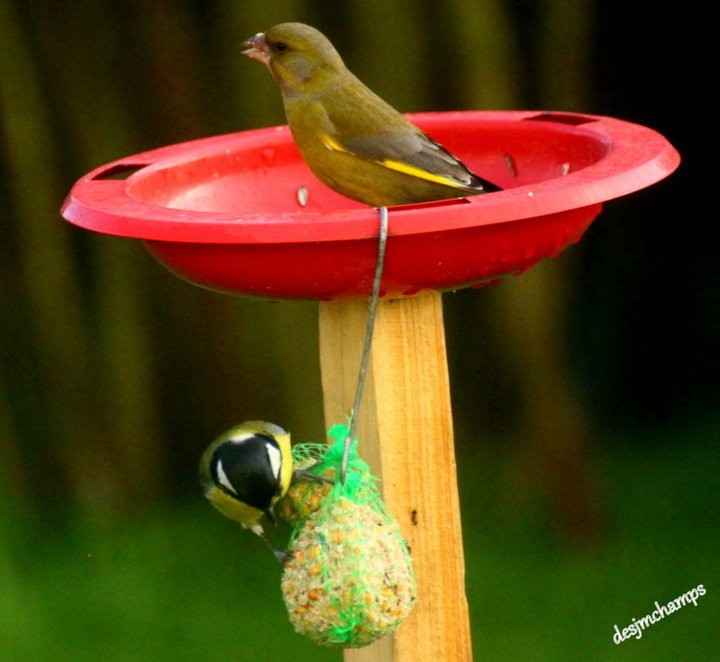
{"type": "Point", "coordinates": [349, 578]}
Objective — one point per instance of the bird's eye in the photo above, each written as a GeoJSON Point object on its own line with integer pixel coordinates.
{"type": "Point", "coordinates": [279, 46]}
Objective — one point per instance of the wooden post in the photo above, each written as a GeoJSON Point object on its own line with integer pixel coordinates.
{"type": "Point", "coordinates": [405, 433]}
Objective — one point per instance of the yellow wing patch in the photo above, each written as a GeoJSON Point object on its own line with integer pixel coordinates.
{"type": "Point", "coordinates": [399, 166]}
{"type": "Point", "coordinates": [420, 173]}
{"type": "Point", "coordinates": [333, 144]}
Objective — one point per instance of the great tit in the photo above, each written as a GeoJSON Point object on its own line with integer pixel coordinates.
{"type": "Point", "coordinates": [246, 471]}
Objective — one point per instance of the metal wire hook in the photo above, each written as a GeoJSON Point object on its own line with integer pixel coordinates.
{"type": "Point", "coordinates": [365, 359]}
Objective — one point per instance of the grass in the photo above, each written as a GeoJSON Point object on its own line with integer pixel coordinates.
{"type": "Point", "coordinates": [531, 599]}
{"type": "Point", "coordinates": [184, 584]}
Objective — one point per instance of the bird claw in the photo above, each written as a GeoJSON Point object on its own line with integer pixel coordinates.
{"type": "Point", "coordinates": [282, 555]}
{"type": "Point", "coordinates": [307, 475]}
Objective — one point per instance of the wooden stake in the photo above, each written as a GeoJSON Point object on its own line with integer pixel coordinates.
{"type": "Point", "coordinates": [405, 433]}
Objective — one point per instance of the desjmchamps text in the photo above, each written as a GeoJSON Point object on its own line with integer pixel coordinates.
{"type": "Point", "coordinates": [635, 629]}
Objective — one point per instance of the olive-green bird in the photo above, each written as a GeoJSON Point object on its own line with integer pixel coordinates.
{"type": "Point", "coordinates": [352, 140]}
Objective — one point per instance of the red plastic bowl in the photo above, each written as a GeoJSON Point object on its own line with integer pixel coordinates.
{"type": "Point", "coordinates": [223, 212]}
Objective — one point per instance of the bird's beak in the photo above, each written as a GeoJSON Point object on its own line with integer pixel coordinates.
{"type": "Point", "coordinates": [257, 48]}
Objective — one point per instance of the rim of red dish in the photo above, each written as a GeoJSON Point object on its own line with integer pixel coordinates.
{"type": "Point", "coordinates": [637, 157]}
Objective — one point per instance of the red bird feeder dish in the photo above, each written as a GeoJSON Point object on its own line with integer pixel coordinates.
{"type": "Point", "coordinates": [243, 213]}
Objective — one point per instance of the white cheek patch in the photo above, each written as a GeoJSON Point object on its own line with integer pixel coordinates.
{"type": "Point", "coordinates": [275, 459]}
{"type": "Point", "coordinates": [223, 479]}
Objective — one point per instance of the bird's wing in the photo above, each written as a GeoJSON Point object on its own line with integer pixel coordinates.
{"type": "Point", "coordinates": [413, 153]}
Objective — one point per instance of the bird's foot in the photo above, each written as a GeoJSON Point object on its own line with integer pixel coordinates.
{"type": "Point", "coordinates": [308, 476]}
{"type": "Point", "coordinates": [282, 555]}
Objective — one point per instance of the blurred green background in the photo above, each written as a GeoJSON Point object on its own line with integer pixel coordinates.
{"type": "Point", "coordinates": [585, 392]}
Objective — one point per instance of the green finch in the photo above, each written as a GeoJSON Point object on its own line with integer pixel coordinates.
{"type": "Point", "coordinates": [352, 140]}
